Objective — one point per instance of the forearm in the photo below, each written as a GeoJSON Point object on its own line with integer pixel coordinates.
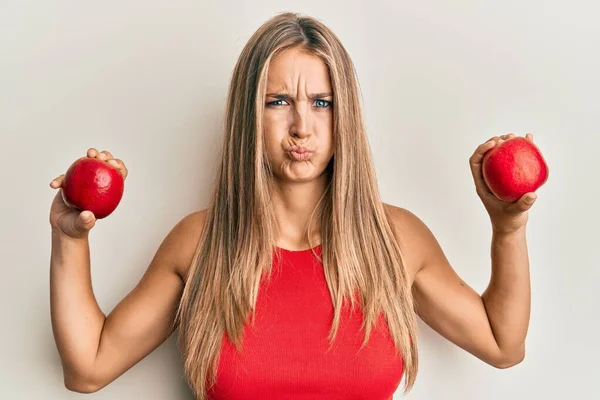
{"type": "Point", "coordinates": [507, 299]}
{"type": "Point", "coordinates": [77, 320]}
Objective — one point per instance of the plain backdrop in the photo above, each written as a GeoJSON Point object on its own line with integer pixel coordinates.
{"type": "Point", "coordinates": [147, 80]}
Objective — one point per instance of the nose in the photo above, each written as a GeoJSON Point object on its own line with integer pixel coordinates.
{"type": "Point", "coordinates": [300, 124]}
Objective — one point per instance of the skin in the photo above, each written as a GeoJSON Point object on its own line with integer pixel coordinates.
{"type": "Point", "coordinates": [95, 348]}
{"type": "Point", "coordinates": [298, 112]}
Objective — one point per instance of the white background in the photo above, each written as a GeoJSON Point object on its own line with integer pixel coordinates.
{"type": "Point", "coordinates": [147, 80]}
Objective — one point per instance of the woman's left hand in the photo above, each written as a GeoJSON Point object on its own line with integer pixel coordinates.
{"type": "Point", "coordinates": [506, 217]}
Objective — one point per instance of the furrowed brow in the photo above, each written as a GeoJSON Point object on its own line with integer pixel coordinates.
{"type": "Point", "coordinates": [312, 96]}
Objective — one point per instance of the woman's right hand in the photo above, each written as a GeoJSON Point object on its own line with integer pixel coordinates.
{"type": "Point", "coordinates": [97, 347]}
{"type": "Point", "coordinates": [69, 221]}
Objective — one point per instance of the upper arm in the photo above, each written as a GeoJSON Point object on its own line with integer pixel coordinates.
{"type": "Point", "coordinates": [144, 318]}
{"type": "Point", "coordinates": [442, 299]}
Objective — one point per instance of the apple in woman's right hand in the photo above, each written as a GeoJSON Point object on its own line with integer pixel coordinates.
{"type": "Point", "coordinates": [91, 189]}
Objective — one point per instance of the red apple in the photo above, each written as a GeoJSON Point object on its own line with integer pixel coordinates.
{"type": "Point", "coordinates": [513, 168]}
{"type": "Point", "coordinates": [93, 185]}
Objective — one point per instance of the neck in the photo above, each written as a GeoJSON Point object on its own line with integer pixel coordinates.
{"type": "Point", "coordinates": [294, 204]}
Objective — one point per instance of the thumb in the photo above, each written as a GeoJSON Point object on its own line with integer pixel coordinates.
{"type": "Point", "coordinates": [525, 202]}
{"type": "Point", "coordinates": [85, 221]}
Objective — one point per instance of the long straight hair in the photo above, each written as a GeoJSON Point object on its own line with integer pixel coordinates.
{"type": "Point", "coordinates": [360, 253]}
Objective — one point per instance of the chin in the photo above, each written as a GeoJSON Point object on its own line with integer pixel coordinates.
{"type": "Point", "coordinates": [309, 178]}
{"type": "Point", "coordinates": [300, 179]}
{"type": "Point", "coordinates": [303, 171]}
{"type": "Point", "coordinates": [295, 176]}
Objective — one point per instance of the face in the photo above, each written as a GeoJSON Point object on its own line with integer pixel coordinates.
{"type": "Point", "coordinates": [298, 116]}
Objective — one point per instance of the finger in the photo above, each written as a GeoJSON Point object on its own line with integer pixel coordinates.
{"type": "Point", "coordinates": [123, 168]}
{"type": "Point", "coordinates": [105, 155]}
{"type": "Point", "coordinates": [495, 138]}
{"type": "Point", "coordinates": [475, 163]}
{"type": "Point", "coordinates": [120, 165]}
{"type": "Point", "coordinates": [92, 152]}
{"type": "Point", "coordinates": [477, 156]}
{"type": "Point", "coordinates": [480, 185]}
{"type": "Point", "coordinates": [57, 182]}
{"type": "Point", "coordinates": [504, 138]}
{"type": "Point", "coordinates": [529, 137]}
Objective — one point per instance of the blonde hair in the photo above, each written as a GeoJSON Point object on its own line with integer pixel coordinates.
{"type": "Point", "coordinates": [360, 254]}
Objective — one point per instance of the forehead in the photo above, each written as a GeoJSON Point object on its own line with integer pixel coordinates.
{"type": "Point", "coordinates": [296, 68]}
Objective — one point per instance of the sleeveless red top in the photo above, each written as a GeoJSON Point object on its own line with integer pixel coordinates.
{"type": "Point", "coordinates": [284, 356]}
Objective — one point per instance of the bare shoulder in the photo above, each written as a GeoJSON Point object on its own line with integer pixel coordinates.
{"type": "Point", "coordinates": [183, 239]}
{"type": "Point", "coordinates": [413, 235]}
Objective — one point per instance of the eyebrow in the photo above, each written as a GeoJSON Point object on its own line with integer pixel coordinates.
{"type": "Point", "coordinates": [312, 96]}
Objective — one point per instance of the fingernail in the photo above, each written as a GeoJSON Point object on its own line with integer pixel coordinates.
{"type": "Point", "coordinates": [113, 162]}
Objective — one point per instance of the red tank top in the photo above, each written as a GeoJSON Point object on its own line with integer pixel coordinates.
{"type": "Point", "coordinates": [284, 356]}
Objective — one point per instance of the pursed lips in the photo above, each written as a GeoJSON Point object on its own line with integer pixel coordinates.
{"type": "Point", "coordinates": [299, 153]}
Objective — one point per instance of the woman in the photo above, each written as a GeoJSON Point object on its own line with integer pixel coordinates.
{"type": "Point", "coordinates": [296, 280]}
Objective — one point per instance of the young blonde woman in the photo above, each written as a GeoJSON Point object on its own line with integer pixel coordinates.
{"type": "Point", "coordinates": [297, 281]}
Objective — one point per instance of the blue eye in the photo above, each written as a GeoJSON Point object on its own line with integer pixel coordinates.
{"type": "Point", "coordinates": [277, 103]}
{"type": "Point", "coordinates": [322, 103]}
